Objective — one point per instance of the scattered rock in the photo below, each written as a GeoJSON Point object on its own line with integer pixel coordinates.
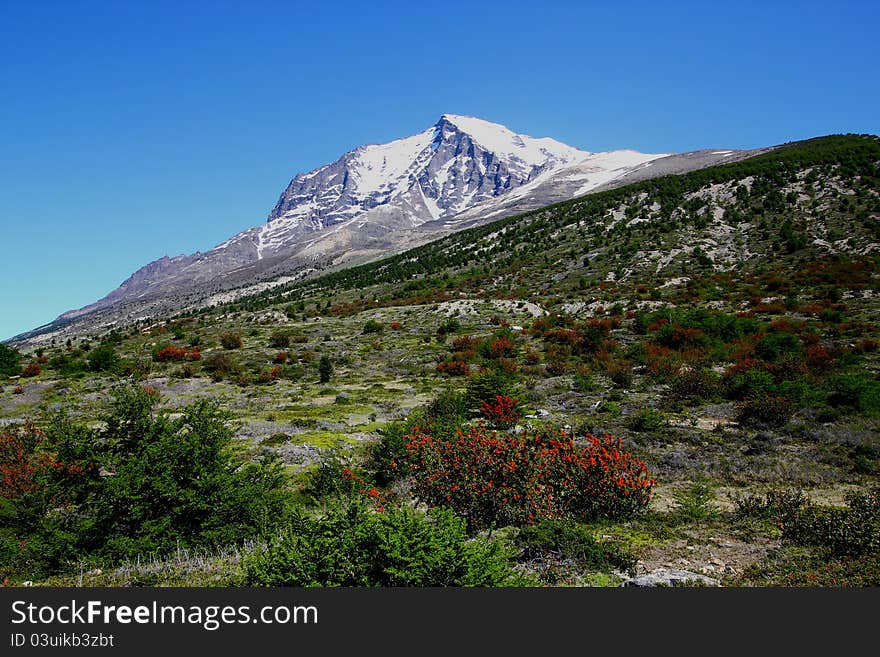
{"type": "Point", "coordinates": [671, 577]}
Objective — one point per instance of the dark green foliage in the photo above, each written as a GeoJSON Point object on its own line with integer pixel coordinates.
{"type": "Point", "coordinates": [9, 361]}
{"type": "Point", "coordinates": [696, 502]}
{"type": "Point", "coordinates": [767, 410]}
{"type": "Point", "coordinates": [328, 480]}
{"type": "Point", "coordinates": [775, 346]}
{"type": "Point", "coordinates": [441, 417]}
{"type": "Point", "coordinates": [144, 483]}
{"type": "Point", "coordinates": [174, 482]}
{"type": "Point", "coordinates": [372, 326]}
{"type": "Point", "coordinates": [773, 504]}
{"type": "Point", "coordinates": [450, 325]}
{"type": "Point", "coordinates": [325, 369]}
{"type": "Point", "coordinates": [695, 386]}
{"type": "Point", "coordinates": [487, 385]}
{"type": "Point", "coordinates": [279, 340]}
{"type": "Point", "coordinates": [104, 359]}
{"type": "Point", "coordinates": [353, 545]}
{"type": "Point", "coordinates": [220, 364]}
{"type": "Point", "coordinates": [646, 420]}
{"type": "Point", "coordinates": [750, 384]}
{"type": "Point", "coordinates": [560, 541]}
{"type": "Point", "coordinates": [857, 390]}
{"type": "Point", "coordinates": [853, 531]}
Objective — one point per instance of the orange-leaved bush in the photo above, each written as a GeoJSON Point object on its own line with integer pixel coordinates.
{"type": "Point", "coordinates": [503, 412]}
{"type": "Point", "coordinates": [493, 479]}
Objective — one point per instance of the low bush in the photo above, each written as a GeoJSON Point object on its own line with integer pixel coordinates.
{"type": "Point", "coordinates": [560, 541]}
{"type": "Point", "coordinates": [279, 340]}
{"type": "Point", "coordinates": [353, 545]}
{"type": "Point", "coordinates": [851, 531]}
{"type": "Point", "coordinates": [372, 326]}
{"type": "Point", "coordinates": [486, 386]}
{"type": "Point", "coordinates": [694, 386]}
{"type": "Point", "coordinates": [501, 413]}
{"type": "Point", "coordinates": [646, 420]}
{"type": "Point", "coordinates": [231, 341]}
{"type": "Point", "coordinates": [858, 391]}
{"type": "Point", "coordinates": [9, 360]}
{"type": "Point", "coordinates": [765, 411]}
{"type": "Point", "coordinates": [454, 368]}
{"type": "Point", "coordinates": [696, 502]}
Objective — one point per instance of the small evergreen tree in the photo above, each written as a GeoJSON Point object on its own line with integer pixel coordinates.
{"type": "Point", "coordinates": [9, 360]}
{"type": "Point", "coordinates": [325, 369]}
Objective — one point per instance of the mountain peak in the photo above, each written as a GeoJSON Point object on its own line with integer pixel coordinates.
{"type": "Point", "coordinates": [502, 141]}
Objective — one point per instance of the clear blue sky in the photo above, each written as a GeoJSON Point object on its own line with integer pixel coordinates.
{"type": "Point", "coordinates": [132, 130]}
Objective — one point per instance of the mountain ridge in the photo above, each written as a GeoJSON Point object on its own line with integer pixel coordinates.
{"type": "Point", "coordinates": [374, 200]}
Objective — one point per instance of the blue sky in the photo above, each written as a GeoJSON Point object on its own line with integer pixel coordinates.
{"type": "Point", "coordinates": [130, 130]}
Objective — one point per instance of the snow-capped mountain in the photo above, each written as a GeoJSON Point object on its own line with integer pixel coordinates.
{"type": "Point", "coordinates": [458, 164]}
{"type": "Point", "coordinates": [374, 200]}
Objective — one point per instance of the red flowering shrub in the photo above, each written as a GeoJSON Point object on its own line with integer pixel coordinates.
{"type": "Point", "coordinates": [562, 336]}
{"type": "Point", "coordinates": [270, 374]}
{"type": "Point", "coordinates": [531, 357]}
{"type": "Point", "coordinates": [454, 368]}
{"type": "Point", "coordinates": [501, 348]}
{"type": "Point", "coordinates": [169, 353]}
{"type": "Point", "coordinates": [24, 468]}
{"type": "Point", "coordinates": [502, 412]}
{"type": "Point", "coordinates": [662, 362]}
{"type": "Point", "coordinates": [495, 479]}
{"type": "Point", "coordinates": [20, 466]}
{"type": "Point", "coordinates": [172, 353]}
{"type": "Point", "coordinates": [464, 348]}
{"type": "Point", "coordinates": [32, 370]}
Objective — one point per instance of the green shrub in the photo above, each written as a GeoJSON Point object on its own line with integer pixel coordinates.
{"type": "Point", "coordinates": [695, 386]}
{"type": "Point", "coordinates": [325, 369]}
{"type": "Point", "coordinates": [750, 383]}
{"type": "Point", "coordinates": [372, 326]}
{"type": "Point", "coordinates": [67, 365]}
{"type": "Point", "coordinates": [765, 411]}
{"type": "Point", "coordinates": [169, 483]}
{"type": "Point", "coordinates": [696, 502]}
{"type": "Point", "coordinates": [328, 479]}
{"type": "Point", "coordinates": [231, 341]}
{"type": "Point", "coordinates": [279, 340]}
{"type": "Point", "coordinates": [646, 420]}
{"type": "Point", "coordinates": [9, 361]}
{"type": "Point", "coordinates": [353, 545]}
{"type": "Point", "coordinates": [772, 505]}
{"type": "Point", "coordinates": [852, 531]}
{"type": "Point", "coordinates": [219, 365]}
{"type": "Point", "coordinates": [104, 359]}
{"type": "Point", "coordinates": [486, 386]}
{"type": "Point", "coordinates": [450, 325]}
{"type": "Point", "coordinates": [774, 346]}
{"type": "Point", "coordinates": [559, 540]}
{"type": "Point", "coordinates": [858, 391]}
